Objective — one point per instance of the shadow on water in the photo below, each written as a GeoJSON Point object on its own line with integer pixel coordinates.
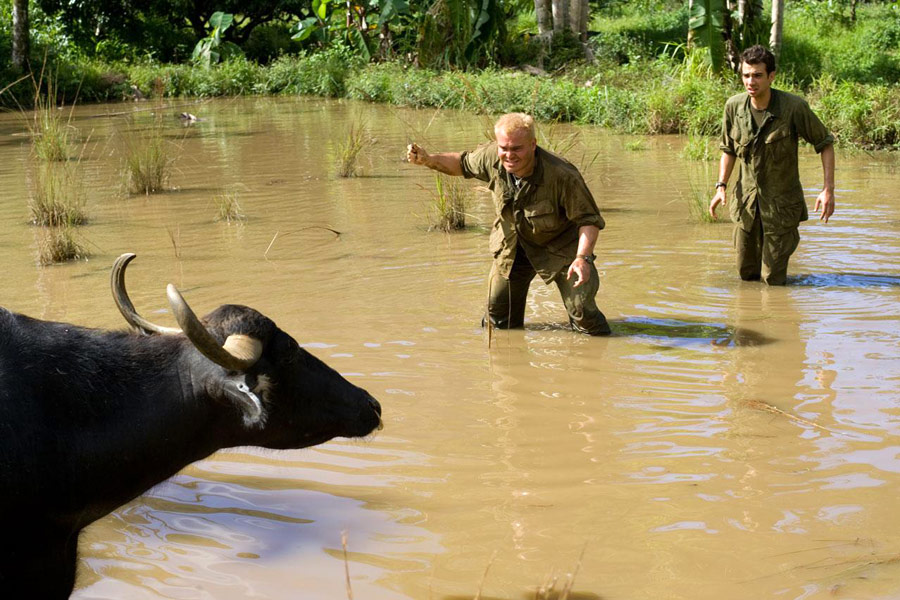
{"type": "Point", "coordinates": [847, 280]}
{"type": "Point", "coordinates": [673, 332]}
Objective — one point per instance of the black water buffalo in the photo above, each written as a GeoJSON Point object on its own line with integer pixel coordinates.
{"type": "Point", "coordinates": [90, 419]}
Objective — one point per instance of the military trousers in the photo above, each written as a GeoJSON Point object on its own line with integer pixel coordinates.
{"type": "Point", "coordinates": [507, 298]}
{"type": "Point", "coordinates": [762, 255]}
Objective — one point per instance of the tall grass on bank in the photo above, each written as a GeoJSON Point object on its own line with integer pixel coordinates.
{"type": "Point", "coordinates": [450, 201]}
{"type": "Point", "coordinates": [149, 160]}
{"type": "Point", "coordinates": [638, 92]}
{"type": "Point", "coordinates": [57, 195]}
{"type": "Point", "coordinates": [351, 147]}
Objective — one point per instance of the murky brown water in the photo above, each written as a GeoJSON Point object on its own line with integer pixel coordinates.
{"type": "Point", "coordinates": [660, 453]}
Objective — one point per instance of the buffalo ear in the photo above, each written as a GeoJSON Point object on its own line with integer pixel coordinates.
{"type": "Point", "coordinates": [238, 392]}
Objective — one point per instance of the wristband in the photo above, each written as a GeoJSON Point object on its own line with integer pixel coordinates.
{"type": "Point", "coordinates": [721, 184]}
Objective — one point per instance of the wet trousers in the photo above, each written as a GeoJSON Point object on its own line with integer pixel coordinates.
{"type": "Point", "coordinates": [506, 301]}
{"type": "Point", "coordinates": [763, 255]}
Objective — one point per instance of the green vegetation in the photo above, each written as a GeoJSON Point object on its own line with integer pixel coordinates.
{"type": "Point", "coordinates": [57, 196]}
{"type": "Point", "coordinates": [697, 200]}
{"type": "Point", "coordinates": [699, 147]}
{"type": "Point", "coordinates": [844, 56]}
{"type": "Point", "coordinates": [50, 126]}
{"type": "Point", "coordinates": [351, 146]}
{"type": "Point", "coordinates": [59, 244]}
{"type": "Point", "coordinates": [148, 160]}
{"type": "Point", "coordinates": [451, 199]}
{"type": "Point", "coordinates": [228, 208]}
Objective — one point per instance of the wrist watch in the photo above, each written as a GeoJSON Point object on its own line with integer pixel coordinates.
{"type": "Point", "coordinates": [721, 184]}
{"type": "Point", "coordinates": [588, 258]}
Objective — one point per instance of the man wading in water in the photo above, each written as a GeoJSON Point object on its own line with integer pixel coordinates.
{"type": "Point", "coordinates": [547, 223]}
{"type": "Point", "coordinates": [760, 129]}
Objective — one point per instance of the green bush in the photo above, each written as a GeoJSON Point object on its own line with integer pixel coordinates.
{"type": "Point", "coordinates": [268, 42]}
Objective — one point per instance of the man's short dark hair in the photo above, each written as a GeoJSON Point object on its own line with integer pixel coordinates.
{"type": "Point", "coordinates": [757, 54]}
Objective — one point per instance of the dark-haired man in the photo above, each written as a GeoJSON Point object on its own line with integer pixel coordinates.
{"type": "Point", "coordinates": [760, 131]}
{"type": "Point", "coordinates": [547, 222]}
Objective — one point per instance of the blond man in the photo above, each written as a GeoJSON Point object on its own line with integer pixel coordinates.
{"type": "Point", "coordinates": [547, 222]}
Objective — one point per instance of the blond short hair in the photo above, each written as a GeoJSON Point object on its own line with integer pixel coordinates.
{"type": "Point", "coordinates": [512, 122]}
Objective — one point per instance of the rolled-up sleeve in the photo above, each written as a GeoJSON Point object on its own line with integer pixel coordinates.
{"type": "Point", "coordinates": [479, 163]}
{"type": "Point", "coordinates": [812, 129]}
{"type": "Point", "coordinates": [579, 203]}
{"type": "Point", "coordinates": [726, 142]}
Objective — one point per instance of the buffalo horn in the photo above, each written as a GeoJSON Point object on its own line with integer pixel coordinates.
{"type": "Point", "coordinates": [239, 353]}
{"type": "Point", "coordinates": [137, 322]}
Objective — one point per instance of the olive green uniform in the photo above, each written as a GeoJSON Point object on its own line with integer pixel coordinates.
{"type": "Point", "coordinates": [536, 232]}
{"type": "Point", "coordinates": [767, 204]}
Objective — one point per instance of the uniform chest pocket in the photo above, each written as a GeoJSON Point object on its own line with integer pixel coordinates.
{"type": "Point", "coordinates": [741, 141]}
{"type": "Point", "coordinates": [778, 142]}
{"type": "Point", "coordinates": [542, 217]}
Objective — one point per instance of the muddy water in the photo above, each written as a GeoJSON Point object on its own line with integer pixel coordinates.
{"type": "Point", "coordinates": [729, 441]}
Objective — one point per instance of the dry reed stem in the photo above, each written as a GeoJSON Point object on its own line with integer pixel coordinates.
{"type": "Point", "coordinates": [286, 233]}
{"type": "Point", "coordinates": [346, 565]}
{"type": "Point", "coordinates": [570, 580]}
{"type": "Point", "coordinates": [484, 576]}
{"type": "Point", "coordinates": [765, 406]}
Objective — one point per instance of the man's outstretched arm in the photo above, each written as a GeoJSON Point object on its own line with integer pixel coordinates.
{"type": "Point", "coordinates": [446, 162]}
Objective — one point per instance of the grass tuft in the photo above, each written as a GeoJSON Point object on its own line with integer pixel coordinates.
{"type": "Point", "coordinates": [698, 147]}
{"type": "Point", "coordinates": [228, 208]}
{"type": "Point", "coordinates": [450, 201]}
{"type": "Point", "coordinates": [58, 244]}
{"type": "Point", "coordinates": [50, 127]}
{"type": "Point", "coordinates": [350, 149]}
{"type": "Point", "coordinates": [149, 160]}
{"type": "Point", "coordinates": [58, 196]}
{"type": "Point", "coordinates": [698, 199]}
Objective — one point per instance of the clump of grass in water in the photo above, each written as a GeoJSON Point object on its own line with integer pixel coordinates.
{"type": "Point", "coordinates": [698, 148]}
{"type": "Point", "coordinates": [350, 149]}
{"type": "Point", "coordinates": [450, 202]}
{"type": "Point", "coordinates": [228, 207]}
{"type": "Point", "coordinates": [565, 144]}
{"type": "Point", "coordinates": [58, 196]}
{"type": "Point", "coordinates": [50, 127]}
{"type": "Point", "coordinates": [698, 200]}
{"type": "Point", "coordinates": [58, 244]}
{"type": "Point", "coordinates": [149, 160]}
{"type": "Point", "coordinates": [636, 145]}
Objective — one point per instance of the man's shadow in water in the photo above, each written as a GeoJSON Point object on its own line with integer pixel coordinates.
{"type": "Point", "coordinates": [673, 332]}
{"type": "Point", "coordinates": [845, 280]}
{"type": "Point", "coordinates": [680, 332]}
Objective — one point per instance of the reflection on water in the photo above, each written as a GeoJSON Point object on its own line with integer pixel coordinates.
{"type": "Point", "coordinates": [722, 415]}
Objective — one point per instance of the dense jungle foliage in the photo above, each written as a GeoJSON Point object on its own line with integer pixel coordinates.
{"type": "Point", "coordinates": [633, 71]}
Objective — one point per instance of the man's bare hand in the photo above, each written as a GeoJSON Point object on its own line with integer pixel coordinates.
{"type": "Point", "coordinates": [718, 199]}
{"type": "Point", "coordinates": [825, 204]}
{"type": "Point", "coordinates": [416, 155]}
{"type": "Point", "coordinates": [582, 271]}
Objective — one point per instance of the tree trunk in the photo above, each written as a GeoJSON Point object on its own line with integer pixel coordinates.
{"type": "Point", "coordinates": [20, 41]}
{"type": "Point", "coordinates": [777, 26]}
{"type": "Point", "coordinates": [575, 17]}
{"type": "Point", "coordinates": [544, 17]}
{"type": "Point", "coordinates": [560, 15]}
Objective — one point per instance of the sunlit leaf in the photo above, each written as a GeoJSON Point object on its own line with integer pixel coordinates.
{"type": "Point", "coordinates": [305, 28]}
